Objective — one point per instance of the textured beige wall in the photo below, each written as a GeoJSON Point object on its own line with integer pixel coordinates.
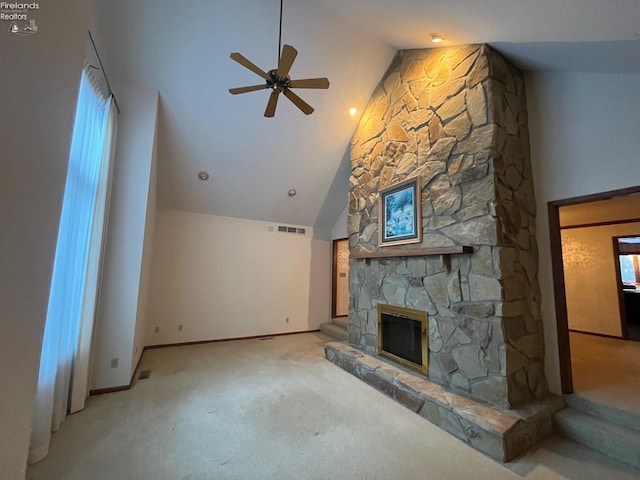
{"type": "Point", "coordinates": [590, 277]}
{"type": "Point", "coordinates": [624, 208]}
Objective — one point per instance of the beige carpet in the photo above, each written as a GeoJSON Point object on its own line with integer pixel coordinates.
{"type": "Point", "coordinates": [606, 370]}
{"type": "Point", "coordinates": [275, 409]}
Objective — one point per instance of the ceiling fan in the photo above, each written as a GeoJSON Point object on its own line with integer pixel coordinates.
{"type": "Point", "coordinates": [278, 79]}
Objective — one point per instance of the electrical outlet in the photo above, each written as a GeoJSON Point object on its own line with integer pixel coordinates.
{"type": "Point", "coordinates": [114, 362]}
{"type": "Point", "coordinates": [180, 327]}
{"type": "Point", "coordinates": [157, 330]}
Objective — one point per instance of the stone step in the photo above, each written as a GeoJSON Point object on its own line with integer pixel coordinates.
{"type": "Point", "coordinates": [500, 434]}
{"type": "Point", "coordinates": [604, 412]}
{"type": "Point", "coordinates": [340, 321]}
{"type": "Point", "coordinates": [610, 439]}
{"type": "Point", "coordinates": [335, 331]}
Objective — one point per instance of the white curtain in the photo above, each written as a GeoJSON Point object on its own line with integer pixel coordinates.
{"type": "Point", "coordinates": [76, 265]}
{"type": "Point", "coordinates": [82, 358]}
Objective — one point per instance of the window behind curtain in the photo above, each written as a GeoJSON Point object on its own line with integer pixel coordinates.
{"type": "Point", "coordinates": [75, 271]}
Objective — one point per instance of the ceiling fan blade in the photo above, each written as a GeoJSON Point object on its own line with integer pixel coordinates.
{"type": "Point", "coordinates": [252, 88]}
{"type": "Point", "coordinates": [310, 83]}
{"type": "Point", "coordinates": [298, 102]}
{"type": "Point", "coordinates": [247, 64]}
{"type": "Point", "coordinates": [286, 60]}
{"type": "Point", "coordinates": [271, 105]}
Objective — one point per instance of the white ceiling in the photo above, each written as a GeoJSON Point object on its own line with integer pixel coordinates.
{"type": "Point", "coordinates": [182, 49]}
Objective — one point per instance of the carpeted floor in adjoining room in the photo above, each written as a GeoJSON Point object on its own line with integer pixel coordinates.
{"type": "Point", "coordinates": [276, 409]}
{"type": "Point", "coordinates": [606, 370]}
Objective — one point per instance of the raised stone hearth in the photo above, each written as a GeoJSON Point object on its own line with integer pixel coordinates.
{"type": "Point", "coordinates": [502, 435]}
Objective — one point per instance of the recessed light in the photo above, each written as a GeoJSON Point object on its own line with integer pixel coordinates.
{"type": "Point", "coordinates": [292, 192]}
{"type": "Point", "coordinates": [353, 111]}
{"type": "Point", "coordinates": [435, 38]}
{"type": "Point", "coordinates": [204, 176]}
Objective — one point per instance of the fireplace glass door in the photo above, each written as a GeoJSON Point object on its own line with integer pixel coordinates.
{"type": "Point", "coordinates": [402, 336]}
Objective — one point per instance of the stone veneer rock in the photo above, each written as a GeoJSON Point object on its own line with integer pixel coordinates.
{"type": "Point", "coordinates": [503, 435]}
{"type": "Point", "coordinates": [456, 117]}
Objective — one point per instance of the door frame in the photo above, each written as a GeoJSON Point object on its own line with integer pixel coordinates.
{"type": "Point", "coordinates": [557, 269]}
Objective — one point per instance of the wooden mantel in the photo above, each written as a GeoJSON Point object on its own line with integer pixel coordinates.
{"type": "Point", "coordinates": [417, 252]}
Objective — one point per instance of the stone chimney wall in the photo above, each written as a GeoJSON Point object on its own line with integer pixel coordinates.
{"type": "Point", "coordinates": [457, 118]}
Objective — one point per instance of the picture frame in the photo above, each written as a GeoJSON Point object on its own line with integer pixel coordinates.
{"type": "Point", "coordinates": [400, 213]}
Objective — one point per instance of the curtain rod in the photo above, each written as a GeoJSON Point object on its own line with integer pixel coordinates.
{"type": "Point", "coordinates": [104, 73]}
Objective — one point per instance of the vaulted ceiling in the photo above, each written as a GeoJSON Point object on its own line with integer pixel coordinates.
{"type": "Point", "coordinates": [182, 49]}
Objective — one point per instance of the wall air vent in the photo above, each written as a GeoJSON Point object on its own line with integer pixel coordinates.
{"type": "Point", "coordinates": [282, 228]}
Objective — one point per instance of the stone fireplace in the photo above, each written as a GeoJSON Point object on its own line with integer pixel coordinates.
{"type": "Point", "coordinates": [457, 119]}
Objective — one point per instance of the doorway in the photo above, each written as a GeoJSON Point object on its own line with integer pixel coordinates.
{"type": "Point", "coordinates": [626, 252]}
{"type": "Point", "coordinates": [340, 279]}
{"type": "Point", "coordinates": [567, 330]}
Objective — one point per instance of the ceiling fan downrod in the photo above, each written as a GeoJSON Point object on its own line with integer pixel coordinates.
{"type": "Point", "coordinates": [280, 35]}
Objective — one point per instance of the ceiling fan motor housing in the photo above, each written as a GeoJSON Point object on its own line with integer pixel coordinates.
{"type": "Point", "coordinates": [276, 82]}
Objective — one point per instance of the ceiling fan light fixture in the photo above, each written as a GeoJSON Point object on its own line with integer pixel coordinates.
{"type": "Point", "coordinates": [436, 38]}
{"type": "Point", "coordinates": [278, 79]}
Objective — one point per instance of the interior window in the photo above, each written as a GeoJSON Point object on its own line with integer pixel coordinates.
{"type": "Point", "coordinates": [629, 268]}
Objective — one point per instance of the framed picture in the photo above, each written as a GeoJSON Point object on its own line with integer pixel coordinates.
{"type": "Point", "coordinates": [400, 213]}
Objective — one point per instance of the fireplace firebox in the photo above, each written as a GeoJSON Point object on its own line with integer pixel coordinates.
{"type": "Point", "coordinates": [402, 336]}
